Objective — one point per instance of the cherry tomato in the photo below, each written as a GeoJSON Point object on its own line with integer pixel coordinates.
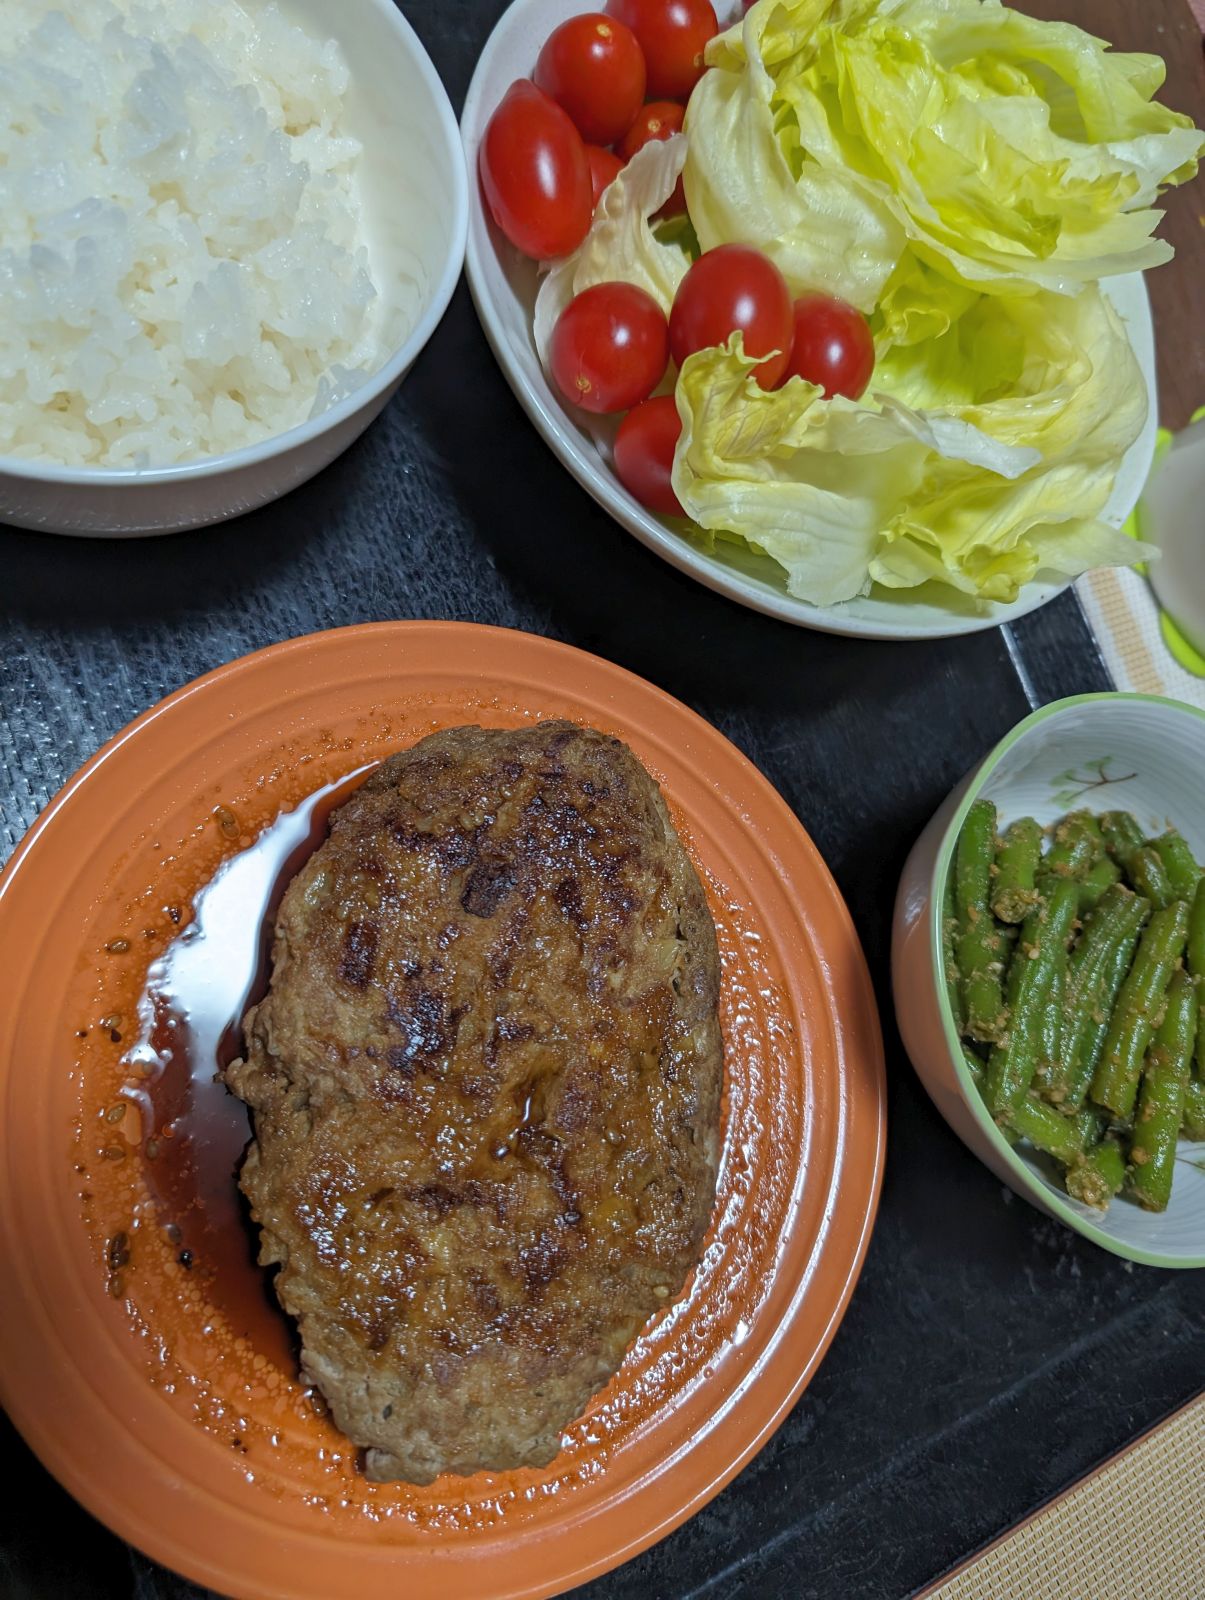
{"type": "Point", "coordinates": [610, 347]}
{"type": "Point", "coordinates": [605, 167]}
{"type": "Point", "coordinates": [660, 119]}
{"type": "Point", "coordinates": [734, 287]}
{"type": "Point", "coordinates": [833, 346]}
{"type": "Point", "coordinates": [594, 70]}
{"type": "Point", "coordinates": [644, 454]}
{"type": "Point", "coordinates": [673, 35]}
{"type": "Point", "coordinates": [535, 174]}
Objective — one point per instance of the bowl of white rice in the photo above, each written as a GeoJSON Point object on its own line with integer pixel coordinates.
{"type": "Point", "coordinates": [227, 227]}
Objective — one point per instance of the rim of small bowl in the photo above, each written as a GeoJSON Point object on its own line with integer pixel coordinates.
{"type": "Point", "coordinates": [1051, 1197]}
{"type": "Point", "coordinates": [389, 372]}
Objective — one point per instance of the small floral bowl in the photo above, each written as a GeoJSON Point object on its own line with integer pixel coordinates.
{"type": "Point", "coordinates": [1097, 752]}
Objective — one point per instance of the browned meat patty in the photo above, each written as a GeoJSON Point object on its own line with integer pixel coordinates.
{"type": "Point", "coordinates": [486, 1088]}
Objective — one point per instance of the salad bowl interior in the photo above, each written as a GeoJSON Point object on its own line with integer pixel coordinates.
{"type": "Point", "coordinates": [504, 286]}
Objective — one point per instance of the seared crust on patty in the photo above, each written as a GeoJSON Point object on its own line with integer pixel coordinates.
{"type": "Point", "coordinates": [486, 1090]}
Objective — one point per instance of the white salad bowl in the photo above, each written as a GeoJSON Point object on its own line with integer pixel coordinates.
{"type": "Point", "coordinates": [416, 206]}
{"type": "Point", "coordinates": [504, 285]}
{"type": "Point", "coordinates": [1103, 752]}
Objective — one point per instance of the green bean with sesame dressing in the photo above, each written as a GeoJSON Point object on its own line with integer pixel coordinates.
{"type": "Point", "coordinates": [1077, 978]}
{"type": "Point", "coordinates": [1148, 875]}
{"type": "Point", "coordinates": [1050, 1034]}
{"type": "Point", "coordinates": [1178, 862]}
{"type": "Point", "coordinates": [1095, 970]}
{"type": "Point", "coordinates": [1097, 1175]}
{"type": "Point", "coordinates": [1072, 851]}
{"type": "Point", "coordinates": [978, 941]}
{"type": "Point", "coordinates": [1161, 1097]}
{"type": "Point", "coordinates": [1100, 876]}
{"type": "Point", "coordinates": [1014, 893]}
{"type": "Point", "coordinates": [1043, 941]}
{"type": "Point", "coordinates": [1195, 956]}
{"type": "Point", "coordinates": [1122, 836]}
{"type": "Point", "coordinates": [1196, 933]}
{"type": "Point", "coordinates": [1132, 1026]}
{"type": "Point", "coordinates": [1086, 1032]}
{"type": "Point", "coordinates": [1193, 1121]}
{"type": "Point", "coordinates": [1047, 1129]}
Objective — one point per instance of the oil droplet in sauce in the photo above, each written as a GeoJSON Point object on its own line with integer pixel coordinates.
{"type": "Point", "coordinates": [190, 1015]}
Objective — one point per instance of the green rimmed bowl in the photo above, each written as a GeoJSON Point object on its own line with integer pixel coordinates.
{"type": "Point", "coordinates": [1104, 752]}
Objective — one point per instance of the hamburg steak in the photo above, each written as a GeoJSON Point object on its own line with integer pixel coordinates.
{"type": "Point", "coordinates": [486, 1090]}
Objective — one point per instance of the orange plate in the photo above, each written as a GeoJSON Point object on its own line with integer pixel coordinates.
{"type": "Point", "coordinates": [190, 1436]}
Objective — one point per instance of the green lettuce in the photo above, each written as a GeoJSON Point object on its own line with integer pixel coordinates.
{"type": "Point", "coordinates": [1007, 154]}
{"type": "Point", "coordinates": [984, 458]}
{"type": "Point", "coordinates": [965, 176]}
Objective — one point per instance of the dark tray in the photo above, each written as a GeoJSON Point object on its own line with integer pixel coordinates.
{"type": "Point", "coordinates": [989, 1356]}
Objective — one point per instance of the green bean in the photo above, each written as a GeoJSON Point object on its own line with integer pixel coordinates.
{"type": "Point", "coordinates": [1100, 876]}
{"type": "Point", "coordinates": [1097, 1175]}
{"type": "Point", "coordinates": [1073, 850]}
{"type": "Point", "coordinates": [1040, 947]}
{"type": "Point", "coordinates": [1178, 863]}
{"type": "Point", "coordinates": [1099, 1018]}
{"type": "Point", "coordinates": [1050, 1034]}
{"type": "Point", "coordinates": [949, 932]}
{"type": "Point", "coordinates": [1161, 1097]}
{"type": "Point", "coordinates": [1095, 970]}
{"type": "Point", "coordinates": [1122, 836]}
{"type": "Point", "coordinates": [1046, 1128]}
{"type": "Point", "coordinates": [1195, 957]}
{"type": "Point", "coordinates": [1088, 822]}
{"type": "Point", "coordinates": [1017, 860]}
{"type": "Point", "coordinates": [1146, 872]}
{"type": "Point", "coordinates": [1115, 1082]}
{"type": "Point", "coordinates": [1196, 933]}
{"type": "Point", "coordinates": [1194, 1104]}
{"type": "Point", "coordinates": [978, 944]}
{"type": "Point", "coordinates": [1090, 1125]}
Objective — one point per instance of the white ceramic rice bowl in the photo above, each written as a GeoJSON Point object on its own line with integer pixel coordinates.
{"type": "Point", "coordinates": [416, 201]}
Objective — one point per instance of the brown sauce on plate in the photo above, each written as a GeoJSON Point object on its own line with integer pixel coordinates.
{"type": "Point", "coordinates": [194, 1131]}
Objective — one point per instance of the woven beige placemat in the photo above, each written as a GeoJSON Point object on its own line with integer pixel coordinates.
{"type": "Point", "coordinates": [1133, 1530]}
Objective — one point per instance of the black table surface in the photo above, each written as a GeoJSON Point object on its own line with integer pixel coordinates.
{"type": "Point", "coordinates": [989, 1356]}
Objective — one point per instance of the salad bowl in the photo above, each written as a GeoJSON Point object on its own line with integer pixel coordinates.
{"type": "Point", "coordinates": [504, 285]}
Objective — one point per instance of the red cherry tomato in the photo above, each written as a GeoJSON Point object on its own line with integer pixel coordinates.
{"type": "Point", "coordinates": [610, 347]}
{"type": "Point", "coordinates": [657, 121]}
{"type": "Point", "coordinates": [535, 174]}
{"type": "Point", "coordinates": [605, 167]}
{"type": "Point", "coordinates": [594, 70]}
{"type": "Point", "coordinates": [734, 287]}
{"type": "Point", "coordinates": [644, 454]}
{"type": "Point", "coordinates": [660, 119]}
{"type": "Point", "coordinates": [673, 35]}
{"type": "Point", "coordinates": [833, 346]}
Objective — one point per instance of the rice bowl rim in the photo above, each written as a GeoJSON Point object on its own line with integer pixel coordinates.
{"type": "Point", "coordinates": [437, 298]}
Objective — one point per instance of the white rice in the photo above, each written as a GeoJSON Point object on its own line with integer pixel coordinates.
{"type": "Point", "coordinates": [182, 259]}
